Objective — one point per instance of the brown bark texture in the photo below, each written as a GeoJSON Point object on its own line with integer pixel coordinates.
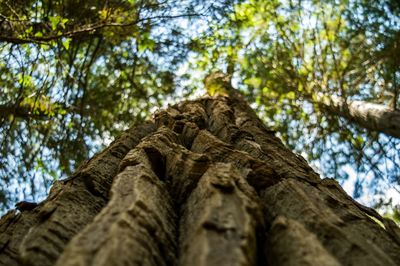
{"type": "Point", "coordinates": [203, 183]}
{"type": "Point", "coordinates": [372, 116]}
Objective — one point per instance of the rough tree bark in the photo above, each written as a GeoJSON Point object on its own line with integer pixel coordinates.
{"type": "Point", "coordinates": [203, 183]}
{"type": "Point", "coordinates": [372, 116]}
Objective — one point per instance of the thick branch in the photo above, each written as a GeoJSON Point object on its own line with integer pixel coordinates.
{"type": "Point", "coordinates": [375, 117]}
{"type": "Point", "coordinates": [26, 111]}
{"type": "Point", "coordinates": [86, 29]}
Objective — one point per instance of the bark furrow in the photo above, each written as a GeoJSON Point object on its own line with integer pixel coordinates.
{"type": "Point", "coordinates": [342, 229]}
{"type": "Point", "coordinates": [220, 220]}
{"type": "Point", "coordinates": [137, 227]}
{"type": "Point", "coordinates": [71, 204]}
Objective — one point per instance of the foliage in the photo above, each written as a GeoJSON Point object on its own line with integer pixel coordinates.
{"type": "Point", "coordinates": [286, 53]}
{"type": "Point", "coordinates": [74, 74]}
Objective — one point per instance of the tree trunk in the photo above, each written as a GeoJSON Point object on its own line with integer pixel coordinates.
{"type": "Point", "coordinates": [374, 117]}
{"type": "Point", "coordinates": [204, 183]}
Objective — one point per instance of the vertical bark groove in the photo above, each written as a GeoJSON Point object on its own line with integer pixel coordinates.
{"type": "Point", "coordinates": [131, 226]}
{"type": "Point", "coordinates": [290, 243]}
{"type": "Point", "coordinates": [71, 204]}
{"type": "Point", "coordinates": [336, 232]}
{"type": "Point", "coordinates": [220, 220]}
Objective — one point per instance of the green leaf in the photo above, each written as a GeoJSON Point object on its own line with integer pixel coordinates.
{"type": "Point", "coordinates": [54, 21]}
{"type": "Point", "coordinates": [146, 43]}
{"type": "Point", "coordinates": [291, 95]}
{"type": "Point", "coordinates": [38, 34]}
{"type": "Point", "coordinates": [63, 22]}
{"type": "Point", "coordinates": [66, 42]}
{"type": "Point", "coordinates": [29, 30]}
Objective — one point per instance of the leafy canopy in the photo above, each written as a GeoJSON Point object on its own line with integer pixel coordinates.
{"type": "Point", "coordinates": [75, 73]}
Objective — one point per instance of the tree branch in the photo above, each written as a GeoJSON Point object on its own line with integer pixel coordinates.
{"type": "Point", "coordinates": [91, 28]}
